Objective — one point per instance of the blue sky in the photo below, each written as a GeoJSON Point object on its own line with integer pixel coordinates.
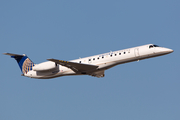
{"type": "Point", "coordinates": [66, 30]}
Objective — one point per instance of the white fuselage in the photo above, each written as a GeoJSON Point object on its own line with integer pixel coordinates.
{"type": "Point", "coordinates": [103, 61]}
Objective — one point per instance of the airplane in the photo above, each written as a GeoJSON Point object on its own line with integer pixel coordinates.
{"type": "Point", "coordinates": [93, 65]}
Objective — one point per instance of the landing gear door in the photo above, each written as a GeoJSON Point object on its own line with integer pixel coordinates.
{"type": "Point", "coordinates": [136, 52]}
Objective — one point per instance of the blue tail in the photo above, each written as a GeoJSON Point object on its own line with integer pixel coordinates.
{"type": "Point", "coordinates": [23, 61]}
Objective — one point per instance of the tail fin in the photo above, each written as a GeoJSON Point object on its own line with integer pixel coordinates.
{"type": "Point", "coordinates": [23, 61]}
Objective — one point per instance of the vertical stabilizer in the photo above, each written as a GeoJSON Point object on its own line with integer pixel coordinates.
{"type": "Point", "coordinates": [23, 61]}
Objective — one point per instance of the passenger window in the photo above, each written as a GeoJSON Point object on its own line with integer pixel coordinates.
{"type": "Point", "coordinates": [98, 58]}
{"type": "Point", "coordinates": [89, 59]}
{"type": "Point", "coordinates": [119, 53]}
{"type": "Point", "coordinates": [115, 54]}
{"type": "Point", "coordinates": [124, 52]}
{"type": "Point", "coordinates": [111, 55]}
{"type": "Point", "coordinates": [93, 58]}
{"type": "Point", "coordinates": [102, 56]}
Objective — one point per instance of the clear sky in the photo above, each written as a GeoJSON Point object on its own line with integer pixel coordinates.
{"type": "Point", "coordinates": [69, 29]}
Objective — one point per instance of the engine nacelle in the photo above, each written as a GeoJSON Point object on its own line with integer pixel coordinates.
{"type": "Point", "coordinates": [45, 66]}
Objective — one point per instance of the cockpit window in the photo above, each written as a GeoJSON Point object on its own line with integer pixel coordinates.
{"type": "Point", "coordinates": [151, 46]}
{"type": "Point", "coordinates": [155, 45]}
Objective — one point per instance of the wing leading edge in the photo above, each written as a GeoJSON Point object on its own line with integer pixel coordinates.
{"type": "Point", "coordinates": [76, 67]}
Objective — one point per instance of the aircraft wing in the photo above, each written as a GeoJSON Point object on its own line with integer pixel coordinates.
{"type": "Point", "coordinates": [76, 67]}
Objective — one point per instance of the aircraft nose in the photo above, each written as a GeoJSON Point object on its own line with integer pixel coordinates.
{"type": "Point", "coordinates": [167, 50]}
{"type": "Point", "coordinates": [170, 50]}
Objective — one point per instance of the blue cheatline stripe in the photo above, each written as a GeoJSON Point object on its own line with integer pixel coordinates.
{"type": "Point", "coordinates": [22, 61]}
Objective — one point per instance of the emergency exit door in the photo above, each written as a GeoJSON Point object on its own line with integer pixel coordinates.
{"type": "Point", "coordinates": [136, 52]}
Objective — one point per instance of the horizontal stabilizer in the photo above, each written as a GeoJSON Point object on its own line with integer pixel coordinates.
{"type": "Point", "coordinates": [11, 54]}
{"type": "Point", "coordinates": [76, 67]}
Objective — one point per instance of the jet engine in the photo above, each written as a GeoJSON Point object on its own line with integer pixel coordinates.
{"type": "Point", "coordinates": [45, 66]}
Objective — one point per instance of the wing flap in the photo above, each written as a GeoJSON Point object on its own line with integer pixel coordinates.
{"type": "Point", "coordinates": [76, 67]}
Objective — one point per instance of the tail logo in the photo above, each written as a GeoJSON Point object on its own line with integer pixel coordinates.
{"type": "Point", "coordinates": [23, 61]}
{"type": "Point", "coordinates": [27, 65]}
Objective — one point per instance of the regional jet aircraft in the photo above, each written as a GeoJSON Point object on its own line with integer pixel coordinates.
{"type": "Point", "coordinates": [93, 65]}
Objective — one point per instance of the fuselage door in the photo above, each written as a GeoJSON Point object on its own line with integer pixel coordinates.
{"type": "Point", "coordinates": [136, 52]}
{"type": "Point", "coordinates": [152, 49]}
